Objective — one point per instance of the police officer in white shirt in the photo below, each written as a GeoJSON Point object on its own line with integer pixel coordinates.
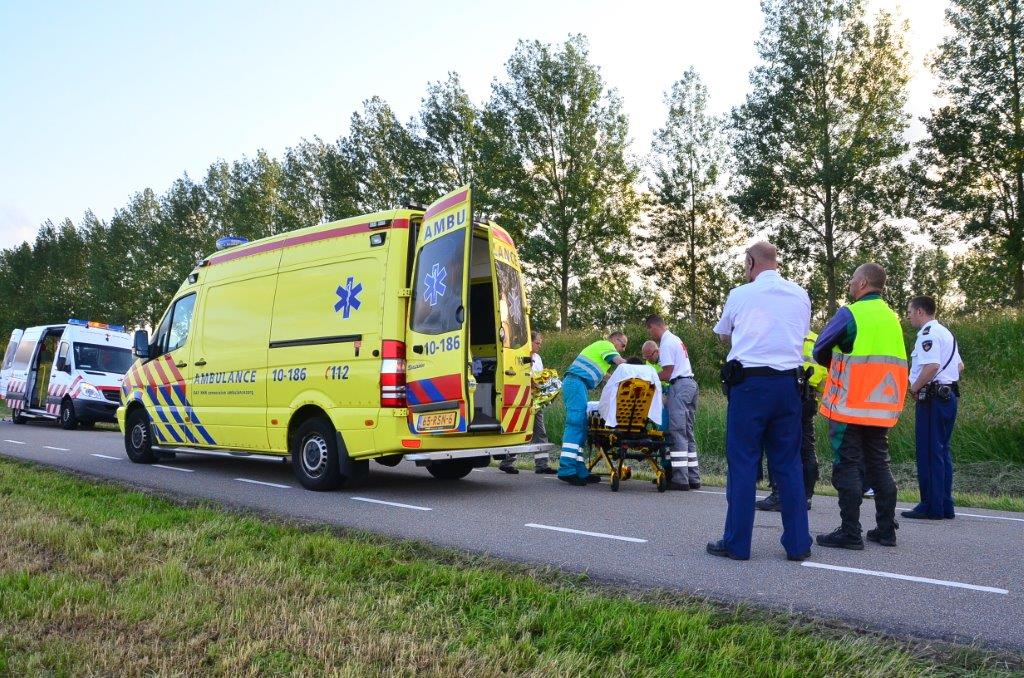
{"type": "Point", "coordinates": [935, 369]}
{"type": "Point", "coordinates": [682, 404]}
{"type": "Point", "coordinates": [764, 323]}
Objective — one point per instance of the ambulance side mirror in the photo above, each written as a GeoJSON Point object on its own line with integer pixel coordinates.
{"type": "Point", "coordinates": [62, 365]}
{"type": "Point", "coordinates": [142, 344]}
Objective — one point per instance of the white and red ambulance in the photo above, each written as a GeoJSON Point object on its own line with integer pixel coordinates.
{"type": "Point", "coordinates": [70, 372]}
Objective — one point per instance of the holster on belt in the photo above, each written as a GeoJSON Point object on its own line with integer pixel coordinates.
{"type": "Point", "coordinates": [731, 374]}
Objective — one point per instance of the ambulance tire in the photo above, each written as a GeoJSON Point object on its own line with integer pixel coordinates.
{"type": "Point", "coordinates": [17, 417]}
{"type": "Point", "coordinates": [315, 455]}
{"type": "Point", "coordinates": [450, 470]}
{"type": "Point", "coordinates": [138, 437]}
{"type": "Point", "coordinates": [68, 418]}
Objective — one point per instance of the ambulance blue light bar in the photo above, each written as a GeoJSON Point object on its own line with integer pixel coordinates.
{"type": "Point", "coordinates": [230, 241]}
{"type": "Point", "coordinates": [96, 325]}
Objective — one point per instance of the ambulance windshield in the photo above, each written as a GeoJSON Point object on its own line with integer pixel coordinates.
{"type": "Point", "coordinates": [102, 358]}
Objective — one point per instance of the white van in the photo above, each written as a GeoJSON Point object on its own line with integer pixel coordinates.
{"type": "Point", "coordinates": [71, 373]}
{"type": "Point", "coordinates": [5, 366]}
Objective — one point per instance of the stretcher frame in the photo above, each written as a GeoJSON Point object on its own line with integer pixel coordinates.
{"type": "Point", "coordinates": [633, 437]}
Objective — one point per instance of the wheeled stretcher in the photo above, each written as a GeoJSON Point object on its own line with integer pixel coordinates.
{"type": "Point", "coordinates": [634, 436]}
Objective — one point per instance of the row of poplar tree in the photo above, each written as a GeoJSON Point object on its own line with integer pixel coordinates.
{"type": "Point", "coordinates": [816, 158]}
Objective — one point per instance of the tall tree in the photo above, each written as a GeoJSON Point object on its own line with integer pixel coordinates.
{"type": "Point", "coordinates": [385, 156]}
{"type": "Point", "coordinates": [975, 147]}
{"type": "Point", "coordinates": [449, 126]}
{"type": "Point", "coordinates": [818, 141]}
{"type": "Point", "coordinates": [691, 219]}
{"type": "Point", "coordinates": [557, 168]}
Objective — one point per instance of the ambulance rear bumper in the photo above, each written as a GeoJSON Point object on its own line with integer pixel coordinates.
{"type": "Point", "coordinates": [424, 458]}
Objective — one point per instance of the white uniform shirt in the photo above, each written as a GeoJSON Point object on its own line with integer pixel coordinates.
{"type": "Point", "coordinates": [623, 371]}
{"type": "Point", "coordinates": [671, 351]}
{"type": "Point", "coordinates": [934, 346]}
{"type": "Point", "coordinates": [538, 365]}
{"type": "Point", "coordinates": [768, 320]}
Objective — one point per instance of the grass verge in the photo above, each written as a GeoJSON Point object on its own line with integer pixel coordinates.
{"type": "Point", "coordinates": [96, 579]}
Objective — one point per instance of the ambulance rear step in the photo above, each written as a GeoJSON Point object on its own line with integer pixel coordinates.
{"type": "Point", "coordinates": [425, 458]}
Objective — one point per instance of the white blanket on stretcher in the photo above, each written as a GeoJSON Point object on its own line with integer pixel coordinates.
{"type": "Point", "coordinates": [606, 406]}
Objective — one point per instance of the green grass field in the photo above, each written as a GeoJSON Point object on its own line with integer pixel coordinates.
{"type": "Point", "coordinates": [96, 579]}
{"type": "Point", "coordinates": [988, 442]}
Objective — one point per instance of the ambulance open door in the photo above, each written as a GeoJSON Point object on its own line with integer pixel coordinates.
{"type": "Point", "coordinates": [513, 374]}
{"type": "Point", "coordinates": [437, 355]}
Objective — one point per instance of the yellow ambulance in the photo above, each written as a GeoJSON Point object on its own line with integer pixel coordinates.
{"type": "Point", "coordinates": [398, 334]}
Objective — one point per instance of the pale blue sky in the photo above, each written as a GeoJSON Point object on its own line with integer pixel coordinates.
{"type": "Point", "coordinates": [99, 100]}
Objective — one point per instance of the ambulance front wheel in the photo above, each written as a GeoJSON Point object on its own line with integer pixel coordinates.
{"type": "Point", "coordinates": [315, 455]}
{"type": "Point", "coordinates": [68, 418]}
{"type": "Point", "coordinates": [138, 437]}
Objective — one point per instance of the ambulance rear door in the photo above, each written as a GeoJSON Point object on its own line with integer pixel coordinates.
{"type": "Point", "coordinates": [513, 375]}
{"type": "Point", "coordinates": [437, 343]}
{"type": "Point", "coordinates": [8, 360]}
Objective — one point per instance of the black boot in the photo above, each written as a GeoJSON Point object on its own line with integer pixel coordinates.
{"type": "Point", "coordinates": [841, 539]}
{"type": "Point", "coordinates": [769, 503]}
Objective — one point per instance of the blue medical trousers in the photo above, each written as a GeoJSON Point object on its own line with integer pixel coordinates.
{"type": "Point", "coordinates": [764, 413]}
{"type": "Point", "coordinates": [574, 437]}
{"type": "Point", "coordinates": [934, 428]}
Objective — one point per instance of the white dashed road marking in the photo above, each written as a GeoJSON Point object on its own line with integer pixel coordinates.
{"type": "Point", "coordinates": [588, 534]}
{"type": "Point", "coordinates": [260, 482]}
{"type": "Point", "coordinates": [906, 577]}
{"type": "Point", "coordinates": [59, 449]}
{"type": "Point", "coordinates": [175, 468]}
{"type": "Point", "coordinates": [978, 515]}
{"type": "Point", "coordinates": [106, 456]}
{"type": "Point", "coordinates": [16, 442]}
{"type": "Point", "coordinates": [392, 503]}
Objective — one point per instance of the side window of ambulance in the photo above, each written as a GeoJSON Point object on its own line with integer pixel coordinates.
{"type": "Point", "coordinates": [181, 321]}
{"type": "Point", "coordinates": [24, 354]}
{"type": "Point", "coordinates": [12, 347]}
{"type": "Point", "coordinates": [438, 292]}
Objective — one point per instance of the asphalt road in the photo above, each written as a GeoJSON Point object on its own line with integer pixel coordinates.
{"type": "Point", "coordinates": [959, 580]}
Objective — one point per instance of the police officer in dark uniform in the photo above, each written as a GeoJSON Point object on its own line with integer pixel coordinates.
{"type": "Point", "coordinates": [935, 369]}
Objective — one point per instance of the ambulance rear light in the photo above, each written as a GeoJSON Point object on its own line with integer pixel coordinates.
{"type": "Point", "coordinates": [392, 374]}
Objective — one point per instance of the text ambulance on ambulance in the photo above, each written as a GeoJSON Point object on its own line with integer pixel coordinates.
{"type": "Point", "coordinates": [399, 334]}
{"type": "Point", "coordinates": [70, 372]}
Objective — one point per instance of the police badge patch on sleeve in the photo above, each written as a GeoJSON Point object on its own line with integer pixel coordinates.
{"type": "Point", "coordinates": [927, 345]}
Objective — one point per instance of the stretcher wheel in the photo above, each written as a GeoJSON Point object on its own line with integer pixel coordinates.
{"type": "Point", "coordinates": [662, 482]}
{"type": "Point", "coordinates": [615, 481]}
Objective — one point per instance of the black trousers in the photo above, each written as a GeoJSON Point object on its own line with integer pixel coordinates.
{"type": "Point", "coordinates": [808, 457]}
{"type": "Point", "coordinates": [855, 446]}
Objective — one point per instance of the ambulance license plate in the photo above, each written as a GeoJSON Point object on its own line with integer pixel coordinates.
{"type": "Point", "coordinates": [437, 421]}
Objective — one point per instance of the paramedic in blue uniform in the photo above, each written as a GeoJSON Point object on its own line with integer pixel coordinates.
{"type": "Point", "coordinates": [764, 323]}
{"type": "Point", "coordinates": [935, 369]}
{"type": "Point", "coordinates": [586, 372]}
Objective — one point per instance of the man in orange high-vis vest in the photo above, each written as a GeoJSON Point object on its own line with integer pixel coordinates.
{"type": "Point", "coordinates": [867, 380]}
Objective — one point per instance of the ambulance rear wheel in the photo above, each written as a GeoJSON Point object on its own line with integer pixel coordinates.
{"type": "Point", "coordinates": [315, 455]}
{"type": "Point", "coordinates": [450, 470]}
{"type": "Point", "coordinates": [138, 437]}
{"type": "Point", "coordinates": [17, 417]}
{"type": "Point", "coordinates": [68, 418]}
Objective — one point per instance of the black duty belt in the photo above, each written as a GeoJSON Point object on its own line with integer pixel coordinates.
{"type": "Point", "coordinates": [672, 381]}
{"type": "Point", "coordinates": [769, 372]}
